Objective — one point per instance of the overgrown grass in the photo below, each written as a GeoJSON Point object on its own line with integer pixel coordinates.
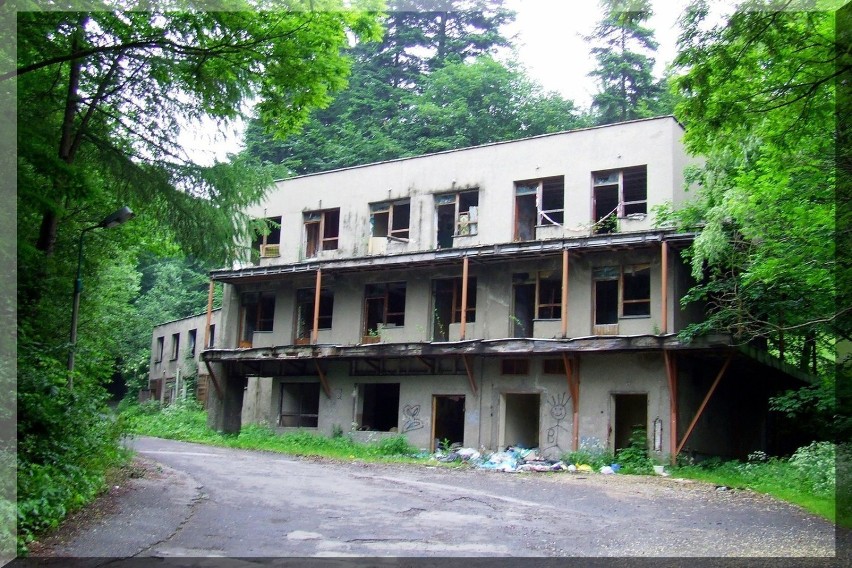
{"type": "Point", "coordinates": [188, 422]}
{"type": "Point", "coordinates": [807, 479]}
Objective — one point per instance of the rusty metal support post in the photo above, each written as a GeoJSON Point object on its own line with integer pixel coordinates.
{"type": "Point", "coordinates": [463, 326]}
{"type": "Point", "coordinates": [564, 314]}
{"type": "Point", "coordinates": [315, 327]}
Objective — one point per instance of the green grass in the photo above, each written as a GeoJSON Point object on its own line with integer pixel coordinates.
{"type": "Point", "coordinates": [807, 481]}
{"type": "Point", "coordinates": [188, 422]}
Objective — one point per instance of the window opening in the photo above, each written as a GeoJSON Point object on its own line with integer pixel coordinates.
{"type": "Point", "coordinates": [298, 406]}
{"type": "Point", "coordinates": [514, 366]}
{"type": "Point", "coordinates": [637, 291]}
{"type": "Point", "coordinates": [457, 215]}
{"type": "Point", "coordinates": [538, 202]}
{"type": "Point", "coordinates": [268, 245]}
{"type": "Point", "coordinates": [606, 295]}
{"type": "Point", "coordinates": [549, 298]}
{"type": "Point", "coordinates": [321, 231]}
{"type": "Point", "coordinates": [449, 419]}
{"type": "Point", "coordinates": [446, 297]}
{"type": "Point", "coordinates": [191, 341]}
{"type": "Point", "coordinates": [212, 336]}
{"type": "Point", "coordinates": [619, 193]}
{"type": "Point", "coordinates": [258, 315]}
{"type": "Point", "coordinates": [384, 304]}
{"type": "Point", "coordinates": [390, 219]}
{"type": "Point", "coordinates": [158, 353]}
{"type": "Point", "coordinates": [175, 345]}
{"type": "Point", "coordinates": [553, 367]}
{"type": "Point", "coordinates": [305, 302]}
{"type": "Point", "coordinates": [379, 408]}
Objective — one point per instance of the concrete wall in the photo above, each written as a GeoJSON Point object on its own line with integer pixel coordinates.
{"type": "Point", "coordinates": [493, 170]}
{"type": "Point", "coordinates": [485, 420]}
{"type": "Point", "coordinates": [165, 370]}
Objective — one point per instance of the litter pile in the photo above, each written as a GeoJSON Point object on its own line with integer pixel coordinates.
{"type": "Point", "coordinates": [514, 459]}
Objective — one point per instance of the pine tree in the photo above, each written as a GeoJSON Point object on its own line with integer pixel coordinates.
{"type": "Point", "coordinates": [624, 66]}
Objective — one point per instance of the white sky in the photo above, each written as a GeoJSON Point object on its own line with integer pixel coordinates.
{"type": "Point", "coordinates": [551, 45]}
{"type": "Point", "coordinates": [549, 39]}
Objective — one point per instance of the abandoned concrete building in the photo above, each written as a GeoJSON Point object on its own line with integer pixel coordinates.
{"type": "Point", "coordinates": [515, 293]}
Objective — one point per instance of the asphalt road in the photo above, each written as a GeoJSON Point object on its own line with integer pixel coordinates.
{"type": "Point", "coordinates": [206, 501]}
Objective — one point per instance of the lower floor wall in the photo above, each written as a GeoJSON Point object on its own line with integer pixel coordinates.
{"type": "Point", "coordinates": [518, 402]}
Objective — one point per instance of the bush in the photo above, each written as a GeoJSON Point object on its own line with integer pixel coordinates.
{"type": "Point", "coordinates": [634, 458]}
{"type": "Point", "coordinates": [395, 446]}
{"type": "Point", "coordinates": [596, 459]}
{"type": "Point", "coordinates": [815, 466]}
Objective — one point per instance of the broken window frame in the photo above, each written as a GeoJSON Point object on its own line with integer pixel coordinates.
{"type": "Point", "coordinates": [627, 297]}
{"type": "Point", "coordinates": [466, 213]}
{"type": "Point", "coordinates": [398, 214]}
{"type": "Point", "coordinates": [548, 298]}
{"type": "Point", "coordinates": [390, 294]}
{"type": "Point", "coordinates": [305, 311]}
{"type": "Point", "coordinates": [544, 189]}
{"type": "Point", "coordinates": [268, 241]}
{"type": "Point", "coordinates": [257, 314]}
{"type": "Point", "coordinates": [376, 410]}
{"type": "Point", "coordinates": [306, 399]}
{"type": "Point", "coordinates": [553, 366]}
{"type": "Point", "coordinates": [622, 180]}
{"type": "Point", "coordinates": [322, 231]}
{"type": "Point", "coordinates": [515, 366]}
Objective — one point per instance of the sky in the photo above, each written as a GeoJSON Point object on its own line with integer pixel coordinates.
{"type": "Point", "coordinates": [549, 40]}
{"type": "Point", "coordinates": [549, 36]}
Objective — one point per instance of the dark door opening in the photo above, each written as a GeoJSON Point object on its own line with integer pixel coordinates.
{"type": "Point", "coordinates": [379, 406]}
{"type": "Point", "coordinates": [446, 225]}
{"type": "Point", "coordinates": [526, 215]}
{"type": "Point", "coordinates": [524, 310]}
{"type": "Point", "coordinates": [606, 205]}
{"type": "Point", "coordinates": [630, 413]}
{"type": "Point", "coordinates": [448, 423]}
{"type": "Point", "coordinates": [442, 291]}
{"type": "Point", "coordinates": [521, 420]}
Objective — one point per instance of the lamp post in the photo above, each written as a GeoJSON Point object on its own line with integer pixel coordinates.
{"type": "Point", "coordinates": [113, 220]}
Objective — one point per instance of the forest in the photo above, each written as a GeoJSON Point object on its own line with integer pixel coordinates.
{"type": "Point", "coordinates": [99, 99]}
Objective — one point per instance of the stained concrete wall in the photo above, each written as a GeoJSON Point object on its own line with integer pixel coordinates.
{"type": "Point", "coordinates": [164, 370]}
{"type": "Point", "coordinates": [492, 169]}
{"type": "Point", "coordinates": [601, 376]}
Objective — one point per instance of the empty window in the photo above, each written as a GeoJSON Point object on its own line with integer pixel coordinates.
{"type": "Point", "coordinates": [305, 308]}
{"type": "Point", "coordinates": [158, 351]}
{"type": "Point", "coordinates": [212, 338]}
{"type": "Point", "coordinates": [448, 300]}
{"type": "Point", "coordinates": [267, 237]}
{"type": "Point", "coordinates": [390, 219]}
{"type": "Point", "coordinates": [191, 343]}
{"type": "Point", "coordinates": [629, 288]}
{"type": "Point", "coordinates": [538, 202]}
{"type": "Point", "coordinates": [175, 345]}
{"type": "Point", "coordinates": [458, 215]}
{"type": "Point", "coordinates": [636, 282]}
{"type": "Point", "coordinates": [553, 367]}
{"type": "Point", "coordinates": [321, 231]}
{"type": "Point", "coordinates": [549, 298]}
{"type": "Point", "coordinates": [258, 313]}
{"type": "Point", "coordinates": [515, 366]}
{"type": "Point", "coordinates": [619, 193]}
{"type": "Point", "coordinates": [299, 405]}
{"type": "Point", "coordinates": [379, 406]}
{"type": "Point", "coordinates": [384, 304]}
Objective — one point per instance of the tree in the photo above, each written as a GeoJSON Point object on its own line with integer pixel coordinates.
{"type": "Point", "coordinates": [759, 106]}
{"type": "Point", "coordinates": [627, 89]}
{"type": "Point", "coordinates": [362, 124]}
{"type": "Point", "coordinates": [467, 104]}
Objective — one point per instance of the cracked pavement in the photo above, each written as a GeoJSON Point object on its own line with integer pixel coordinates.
{"type": "Point", "coordinates": [209, 501]}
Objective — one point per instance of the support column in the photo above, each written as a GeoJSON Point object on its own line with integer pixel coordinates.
{"type": "Point", "coordinates": [564, 313]}
{"type": "Point", "coordinates": [664, 303]}
{"type": "Point", "coordinates": [315, 328]}
{"type": "Point", "coordinates": [463, 326]}
{"type": "Point", "coordinates": [671, 377]}
{"type": "Point", "coordinates": [224, 410]}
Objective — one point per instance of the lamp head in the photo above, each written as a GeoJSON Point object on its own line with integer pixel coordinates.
{"type": "Point", "coordinates": [117, 218]}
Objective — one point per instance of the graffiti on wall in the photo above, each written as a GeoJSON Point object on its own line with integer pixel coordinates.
{"type": "Point", "coordinates": [558, 412]}
{"type": "Point", "coordinates": [410, 419]}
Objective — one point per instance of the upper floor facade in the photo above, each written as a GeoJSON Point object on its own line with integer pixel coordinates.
{"type": "Point", "coordinates": [594, 181]}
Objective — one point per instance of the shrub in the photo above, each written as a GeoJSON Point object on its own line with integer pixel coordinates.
{"type": "Point", "coordinates": [395, 446]}
{"type": "Point", "coordinates": [815, 466]}
{"type": "Point", "coordinates": [634, 458]}
{"type": "Point", "coordinates": [596, 459]}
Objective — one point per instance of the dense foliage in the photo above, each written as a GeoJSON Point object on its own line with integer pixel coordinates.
{"type": "Point", "coordinates": [759, 106]}
{"type": "Point", "coordinates": [103, 97]}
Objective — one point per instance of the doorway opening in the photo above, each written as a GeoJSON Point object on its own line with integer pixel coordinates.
{"type": "Point", "coordinates": [379, 406]}
{"type": "Point", "coordinates": [630, 412]}
{"type": "Point", "coordinates": [521, 420]}
{"type": "Point", "coordinates": [523, 307]}
{"type": "Point", "coordinates": [448, 419]}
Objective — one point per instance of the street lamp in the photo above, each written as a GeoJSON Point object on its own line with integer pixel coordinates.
{"type": "Point", "coordinates": [112, 220]}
